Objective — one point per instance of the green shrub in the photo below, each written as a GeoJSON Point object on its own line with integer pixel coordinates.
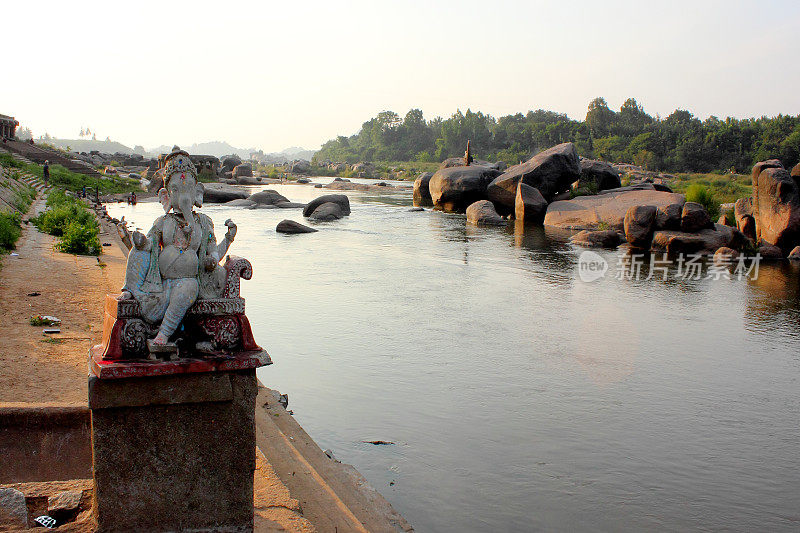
{"type": "Point", "coordinates": [699, 193]}
{"type": "Point", "coordinates": [80, 239]}
{"type": "Point", "coordinates": [68, 219]}
{"type": "Point", "coordinates": [9, 229]}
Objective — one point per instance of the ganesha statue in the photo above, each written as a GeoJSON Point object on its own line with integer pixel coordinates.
{"type": "Point", "coordinates": [176, 293]}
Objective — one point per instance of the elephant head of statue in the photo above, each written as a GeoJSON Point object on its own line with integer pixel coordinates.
{"type": "Point", "coordinates": [181, 191]}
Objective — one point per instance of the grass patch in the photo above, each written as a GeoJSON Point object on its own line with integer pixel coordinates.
{"type": "Point", "coordinates": [725, 188]}
{"type": "Point", "coordinates": [704, 196]}
{"type": "Point", "coordinates": [9, 230]}
{"type": "Point", "coordinates": [68, 219]}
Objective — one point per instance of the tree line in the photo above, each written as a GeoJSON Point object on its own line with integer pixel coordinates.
{"type": "Point", "coordinates": [678, 143]}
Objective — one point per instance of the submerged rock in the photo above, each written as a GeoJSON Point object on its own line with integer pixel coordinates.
{"type": "Point", "coordinates": [483, 213]}
{"type": "Point", "coordinates": [340, 199]}
{"type": "Point", "coordinates": [327, 212]}
{"type": "Point", "coordinates": [290, 226]}
{"type": "Point", "coordinates": [597, 239]}
{"type": "Point", "coordinates": [267, 197]}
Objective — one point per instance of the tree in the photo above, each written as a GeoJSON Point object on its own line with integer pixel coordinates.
{"type": "Point", "coordinates": [599, 118]}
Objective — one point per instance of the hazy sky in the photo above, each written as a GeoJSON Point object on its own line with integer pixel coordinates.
{"type": "Point", "coordinates": [292, 73]}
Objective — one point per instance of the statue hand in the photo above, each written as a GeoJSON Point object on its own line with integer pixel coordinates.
{"type": "Point", "coordinates": [125, 295]}
{"type": "Point", "coordinates": [210, 263]}
{"type": "Point", "coordinates": [231, 230]}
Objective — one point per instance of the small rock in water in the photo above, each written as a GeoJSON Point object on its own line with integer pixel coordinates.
{"type": "Point", "coordinates": [416, 209]}
{"type": "Point", "coordinates": [378, 442]}
{"type": "Point", "coordinates": [330, 455]}
{"type": "Point", "coordinates": [290, 226]}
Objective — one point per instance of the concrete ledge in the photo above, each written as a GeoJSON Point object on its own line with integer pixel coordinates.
{"type": "Point", "coordinates": [163, 390]}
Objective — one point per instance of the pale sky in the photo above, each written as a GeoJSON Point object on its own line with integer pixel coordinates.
{"type": "Point", "coordinates": [271, 75]}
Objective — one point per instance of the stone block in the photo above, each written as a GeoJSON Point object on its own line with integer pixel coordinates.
{"type": "Point", "coordinates": [174, 452]}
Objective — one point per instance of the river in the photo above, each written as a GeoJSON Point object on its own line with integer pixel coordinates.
{"type": "Point", "coordinates": [519, 397]}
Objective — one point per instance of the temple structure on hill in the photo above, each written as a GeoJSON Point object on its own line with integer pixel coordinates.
{"type": "Point", "coordinates": [8, 126]}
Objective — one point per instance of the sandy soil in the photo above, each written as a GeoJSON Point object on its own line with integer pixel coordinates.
{"type": "Point", "coordinates": [52, 368]}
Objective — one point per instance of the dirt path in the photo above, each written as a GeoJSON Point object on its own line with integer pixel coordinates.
{"type": "Point", "coordinates": [52, 368]}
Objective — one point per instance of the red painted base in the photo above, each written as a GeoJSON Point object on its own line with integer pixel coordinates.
{"type": "Point", "coordinates": [135, 368]}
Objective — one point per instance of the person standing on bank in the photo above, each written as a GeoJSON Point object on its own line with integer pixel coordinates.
{"type": "Point", "coordinates": [46, 172]}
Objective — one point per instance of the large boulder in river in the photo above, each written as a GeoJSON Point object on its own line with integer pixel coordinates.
{"type": "Point", "coordinates": [301, 167]}
{"type": "Point", "coordinates": [551, 171]}
{"type": "Point", "coordinates": [341, 199]}
{"type": "Point", "coordinates": [248, 180]}
{"type": "Point", "coordinates": [230, 162]}
{"type": "Point", "coordinates": [694, 217]}
{"type": "Point", "coordinates": [605, 210]}
{"type": "Point", "coordinates": [638, 223]}
{"type": "Point", "coordinates": [529, 205]}
{"type": "Point", "coordinates": [220, 195]}
{"type": "Point", "coordinates": [706, 241]}
{"type": "Point", "coordinates": [483, 213]}
{"type": "Point", "coordinates": [598, 175]}
{"type": "Point", "coordinates": [327, 212]}
{"type": "Point", "coordinates": [244, 169]}
{"type": "Point", "coordinates": [776, 205]}
{"type": "Point", "coordinates": [422, 194]}
{"type": "Point", "coordinates": [267, 197]}
{"type": "Point", "coordinates": [453, 189]}
{"type": "Point", "coordinates": [290, 226]}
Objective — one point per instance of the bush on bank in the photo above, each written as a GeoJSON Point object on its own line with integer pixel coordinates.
{"type": "Point", "coordinates": [68, 219]}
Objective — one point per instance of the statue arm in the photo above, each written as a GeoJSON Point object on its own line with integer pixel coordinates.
{"type": "Point", "coordinates": [216, 251]}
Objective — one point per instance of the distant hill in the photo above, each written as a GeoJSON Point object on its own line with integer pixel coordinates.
{"type": "Point", "coordinates": [87, 145]}
{"type": "Point", "coordinates": [215, 148]}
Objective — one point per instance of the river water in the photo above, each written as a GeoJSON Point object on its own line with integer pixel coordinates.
{"type": "Point", "coordinates": [519, 397]}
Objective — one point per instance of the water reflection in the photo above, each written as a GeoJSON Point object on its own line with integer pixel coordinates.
{"type": "Point", "coordinates": [523, 398]}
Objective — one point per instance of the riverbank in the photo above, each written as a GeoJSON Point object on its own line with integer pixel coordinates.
{"type": "Point", "coordinates": [297, 487]}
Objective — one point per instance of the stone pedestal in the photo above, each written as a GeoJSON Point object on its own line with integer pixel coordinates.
{"type": "Point", "coordinates": [174, 452]}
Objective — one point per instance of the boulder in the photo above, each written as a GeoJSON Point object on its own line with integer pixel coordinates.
{"type": "Point", "coordinates": [597, 239]}
{"type": "Point", "coordinates": [422, 194]}
{"type": "Point", "coordinates": [248, 180]}
{"type": "Point", "coordinates": [795, 253]}
{"type": "Point", "coordinates": [735, 238]}
{"type": "Point", "coordinates": [669, 216]}
{"type": "Point", "coordinates": [598, 175]}
{"type": "Point", "coordinates": [776, 206]}
{"type": "Point", "coordinates": [339, 199]}
{"type": "Point", "coordinates": [747, 225]}
{"type": "Point", "coordinates": [769, 251]}
{"type": "Point", "coordinates": [240, 202]}
{"type": "Point", "coordinates": [453, 189]}
{"type": "Point", "coordinates": [267, 197]}
{"type": "Point", "coordinates": [725, 255]}
{"type": "Point", "coordinates": [638, 224]}
{"type": "Point", "coordinates": [289, 205]}
{"type": "Point", "coordinates": [529, 205]}
{"type": "Point", "coordinates": [244, 169]}
{"type": "Point", "coordinates": [706, 241]}
{"type": "Point", "coordinates": [723, 219]}
{"type": "Point", "coordinates": [551, 171]}
{"type": "Point", "coordinates": [694, 217]}
{"type": "Point", "coordinates": [220, 196]}
{"type": "Point", "coordinates": [290, 226]}
{"type": "Point", "coordinates": [301, 167]}
{"type": "Point", "coordinates": [605, 209]}
{"type": "Point", "coordinates": [483, 213]}
{"type": "Point", "coordinates": [230, 162]}
{"type": "Point", "coordinates": [796, 172]}
{"type": "Point", "coordinates": [327, 212]}
{"type": "Point", "coordinates": [303, 181]}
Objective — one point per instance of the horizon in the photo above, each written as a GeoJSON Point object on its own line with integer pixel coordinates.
{"type": "Point", "coordinates": [267, 97]}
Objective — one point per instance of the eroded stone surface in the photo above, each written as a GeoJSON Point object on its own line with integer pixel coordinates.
{"type": "Point", "coordinates": [605, 209]}
{"type": "Point", "coordinates": [453, 189]}
{"type": "Point", "coordinates": [13, 510]}
{"type": "Point", "coordinates": [341, 199]}
{"type": "Point", "coordinates": [638, 224]}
